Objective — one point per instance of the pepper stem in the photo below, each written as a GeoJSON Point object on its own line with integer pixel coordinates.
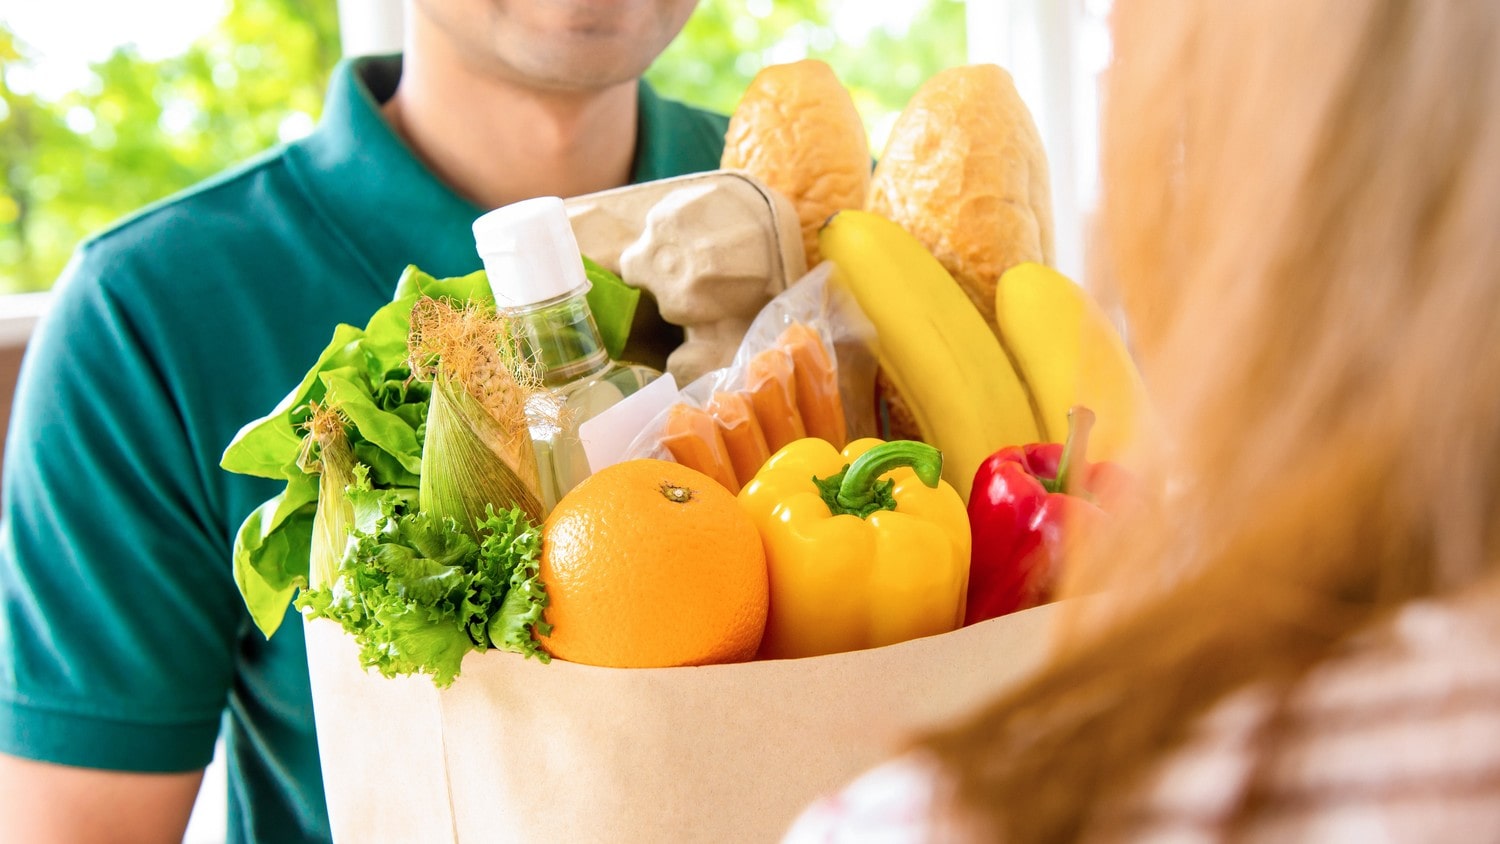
{"type": "Point", "coordinates": [858, 490]}
{"type": "Point", "coordinates": [1080, 422]}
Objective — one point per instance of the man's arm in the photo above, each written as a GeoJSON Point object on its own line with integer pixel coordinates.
{"type": "Point", "coordinates": [40, 801]}
{"type": "Point", "coordinates": [117, 615]}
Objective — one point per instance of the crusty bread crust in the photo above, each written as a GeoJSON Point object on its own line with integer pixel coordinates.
{"type": "Point", "coordinates": [796, 129]}
{"type": "Point", "coordinates": [965, 172]}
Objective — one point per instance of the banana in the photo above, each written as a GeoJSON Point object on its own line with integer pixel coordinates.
{"type": "Point", "coordinates": [1069, 353]}
{"type": "Point", "coordinates": [934, 346]}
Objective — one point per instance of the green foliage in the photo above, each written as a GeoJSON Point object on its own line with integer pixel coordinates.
{"type": "Point", "coordinates": [35, 143]}
{"type": "Point", "coordinates": [727, 41]}
{"type": "Point", "coordinates": [140, 129]}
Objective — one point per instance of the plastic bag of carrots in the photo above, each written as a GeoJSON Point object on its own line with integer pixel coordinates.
{"type": "Point", "coordinates": [805, 368]}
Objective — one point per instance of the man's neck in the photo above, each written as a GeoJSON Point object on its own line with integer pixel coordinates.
{"type": "Point", "coordinates": [495, 141]}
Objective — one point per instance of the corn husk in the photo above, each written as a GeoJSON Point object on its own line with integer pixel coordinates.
{"type": "Point", "coordinates": [477, 452]}
{"type": "Point", "coordinates": [327, 453]}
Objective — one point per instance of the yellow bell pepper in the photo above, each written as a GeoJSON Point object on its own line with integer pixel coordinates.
{"type": "Point", "coordinates": [856, 561]}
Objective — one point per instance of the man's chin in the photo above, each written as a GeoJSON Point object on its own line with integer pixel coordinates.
{"type": "Point", "coordinates": [573, 73]}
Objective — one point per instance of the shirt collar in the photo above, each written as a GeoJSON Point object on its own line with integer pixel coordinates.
{"type": "Point", "coordinates": [375, 195]}
{"type": "Point", "coordinates": [383, 203]}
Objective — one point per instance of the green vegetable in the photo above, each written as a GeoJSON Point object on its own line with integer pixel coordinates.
{"type": "Point", "coordinates": [364, 374]}
{"type": "Point", "coordinates": [418, 593]}
{"type": "Point", "coordinates": [334, 516]}
{"type": "Point", "coordinates": [477, 450]}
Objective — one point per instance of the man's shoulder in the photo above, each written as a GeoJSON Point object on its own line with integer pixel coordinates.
{"type": "Point", "coordinates": [193, 242]}
{"type": "Point", "coordinates": [188, 224]}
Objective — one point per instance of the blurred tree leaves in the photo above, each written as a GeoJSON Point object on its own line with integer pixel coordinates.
{"type": "Point", "coordinates": [141, 130]}
{"type": "Point", "coordinates": [727, 41]}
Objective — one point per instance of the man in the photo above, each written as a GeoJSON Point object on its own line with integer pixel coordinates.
{"type": "Point", "coordinates": [123, 642]}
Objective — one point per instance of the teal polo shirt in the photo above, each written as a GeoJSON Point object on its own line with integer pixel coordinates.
{"type": "Point", "coordinates": [123, 640]}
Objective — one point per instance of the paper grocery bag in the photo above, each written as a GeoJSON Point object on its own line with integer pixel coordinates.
{"type": "Point", "coordinates": [518, 750]}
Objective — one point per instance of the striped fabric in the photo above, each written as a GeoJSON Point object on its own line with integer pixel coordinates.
{"type": "Point", "coordinates": [1394, 739]}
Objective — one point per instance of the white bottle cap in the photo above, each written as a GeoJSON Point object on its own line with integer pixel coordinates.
{"type": "Point", "coordinates": [529, 252]}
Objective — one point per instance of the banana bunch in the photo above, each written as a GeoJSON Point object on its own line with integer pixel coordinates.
{"type": "Point", "coordinates": [1067, 352]}
{"type": "Point", "coordinates": [982, 344]}
{"type": "Point", "coordinates": [973, 388]}
{"type": "Point", "coordinates": [941, 357]}
{"type": "Point", "coordinates": [945, 246]}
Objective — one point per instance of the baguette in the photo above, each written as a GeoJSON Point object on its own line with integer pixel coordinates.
{"type": "Point", "coordinates": [965, 172]}
{"type": "Point", "coordinates": [796, 130]}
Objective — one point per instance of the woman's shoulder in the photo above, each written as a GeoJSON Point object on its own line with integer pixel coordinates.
{"type": "Point", "coordinates": [1395, 735]}
{"type": "Point", "coordinates": [889, 804]}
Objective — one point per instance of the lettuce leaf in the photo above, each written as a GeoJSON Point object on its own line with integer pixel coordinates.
{"type": "Point", "coordinates": [363, 372]}
{"type": "Point", "coordinates": [417, 593]}
{"type": "Point", "coordinates": [510, 554]}
{"type": "Point", "coordinates": [372, 360]}
{"type": "Point", "coordinates": [271, 552]}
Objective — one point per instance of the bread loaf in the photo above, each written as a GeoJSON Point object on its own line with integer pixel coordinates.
{"type": "Point", "coordinates": [796, 130]}
{"type": "Point", "coordinates": [965, 172]}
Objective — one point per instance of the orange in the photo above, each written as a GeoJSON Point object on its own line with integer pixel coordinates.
{"type": "Point", "coordinates": [652, 564]}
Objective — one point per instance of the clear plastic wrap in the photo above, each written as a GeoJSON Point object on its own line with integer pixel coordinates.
{"type": "Point", "coordinates": [806, 367]}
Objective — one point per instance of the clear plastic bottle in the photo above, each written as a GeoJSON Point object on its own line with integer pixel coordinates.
{"type": "Point", "coordinates": [534, 269]}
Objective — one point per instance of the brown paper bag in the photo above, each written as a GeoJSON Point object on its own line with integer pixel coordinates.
{"type": "Point", "coordinates": [518, 750]}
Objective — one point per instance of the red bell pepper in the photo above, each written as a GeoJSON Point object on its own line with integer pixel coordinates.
{"type": "Point", "coordinates": [1025, 504]}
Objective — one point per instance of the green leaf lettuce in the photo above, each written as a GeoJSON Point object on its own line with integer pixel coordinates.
{"type": "Point", "coordinates": [362, 372]}
{"type": "Point", "coordinates": [417, 593]}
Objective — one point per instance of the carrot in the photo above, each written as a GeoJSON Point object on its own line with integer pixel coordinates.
{"type": "Point", "coordinates": [694, 441]}
{"type": "Point", "coordinates": [773, 395]}
{"type": "Point", "coordinates": [817, 384]}
{"type": "Point", "coordinates": [743, 438]}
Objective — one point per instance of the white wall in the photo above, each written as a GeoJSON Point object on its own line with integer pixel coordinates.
{"type": "Point", "coordinates": [1054, 49]}
{"type": "Point", "coordinates": [369, 27]}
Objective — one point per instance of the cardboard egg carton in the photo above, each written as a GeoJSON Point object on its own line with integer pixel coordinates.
{"type": "Point", "coordinates": [710, 249]}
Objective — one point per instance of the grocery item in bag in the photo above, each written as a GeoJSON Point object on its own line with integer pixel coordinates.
{"type": "Point", "coordinates": [744, 440]}
{"type": "Point", "coordinates": [817, 384]}
{"type": "Point", "coordinates": [811, 348]}
{"type": "Point", "coordinates": [797, 130]}
{"type": "Point", "coordinates": [965, 172]}
{"type": "Point", "coordinates": [709, 249]}
{"type": "Point", "coordinates": [692, 438]}
{"type": "Point", "coordinates": [773, 395]}
{"type": "Point", "coordinates": [531, 259]}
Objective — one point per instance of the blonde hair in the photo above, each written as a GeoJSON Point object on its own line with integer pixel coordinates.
{"type": "Point", "coordinates": [1301, 218]}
